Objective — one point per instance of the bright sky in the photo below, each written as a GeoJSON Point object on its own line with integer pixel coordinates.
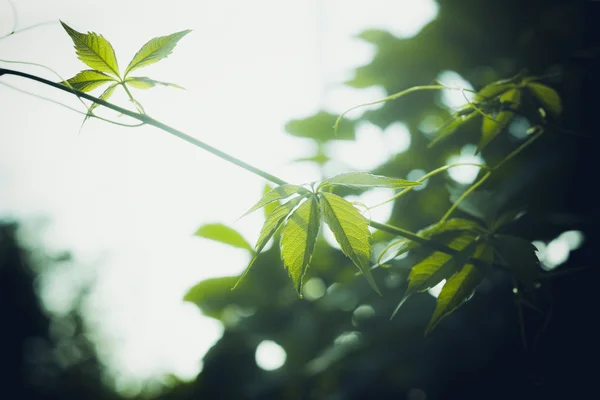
{"type": "Point", "coordinates": [127, 201]}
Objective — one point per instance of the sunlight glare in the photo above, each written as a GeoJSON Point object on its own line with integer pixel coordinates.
{"type": "Point", "coordinates": [269, 355]}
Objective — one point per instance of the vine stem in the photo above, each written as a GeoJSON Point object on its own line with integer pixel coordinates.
{"type": "Point", "coordinates": [489, 173]}
{"type": "Point", "coordinates": [147, 120]}
{"type": "Point", "coordinates": [427, 176]}
{"type": "Point", "coordinates": [392, 97]}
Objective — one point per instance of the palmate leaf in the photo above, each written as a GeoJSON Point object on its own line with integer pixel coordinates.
{"type": "Point", "coordinates": [155, 50]}
{"type": "Point", "coordinates": [88, 80]}
{"type": "Point", "coordinates": [452, 225]}
{"type": "Point", "coordinates": [437, 267]}
{"type": "Point", "coordinates": [298, 240]}
{"type": "Point", "coordinates": [274, 220]}
{"type": "Point", "coordinates": [365, 180]}
{"type": "Point", "coordinates": [94, 50]}
{"type": "Point", "coordinates": [460, 287]}
{"type": "Point", "coordinates": [279, 193]}
{"type": "Point", "coordinates": [493, 126]}
{"type": "Point", "coordinates": [547, 96]}
{"type": "Point", "coordinates": [351, 231]}
{"type": "Point", "coordinates": [147, 83]}
{"type": "Point", "coordinates": [223, 234]}
{"type": "Point", "coordinates": [519, 255]}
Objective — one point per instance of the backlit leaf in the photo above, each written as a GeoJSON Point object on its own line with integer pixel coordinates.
{"type": "Point", "coordinates": [320, 127]}
{"type": "Point", "coordinates": [147, 83]}
{"type": "Point", "coordinates": [450, 127]}
{"type": "Point", "coordinates": [155, 50]}
{"type": "Point", "coordinates": [365, 180]}
{"type": "Point", "coordinates": [94, 50]}
{"type": "Point", "coordinates": [460, 287]}
{"type": "Point", "coordinates": [438, 266]}
{"type": "Point", "coordinates": [493, 126]}
{"type": "Point", "coordinates": [547, 96]}
{"type": "Point", "coordinates": [452, 225]}
{"type": "Point", "coordinates": [298, 240]}
{"type": "Point", "coordinates": [88, 80]}
{"type": "Point", "coordinates": [351, 230]}
{"type": "Point", "coordinates": [519, 255]}
{"type": "Point", "coordinates": [274, 220]}
{"type": "Point", "coordinates": [203, 294]}
{"type": "Point", "coordinates": [492, 90]}
{"type": "Point", "coordinates": [224, 234]}
{"type": "Point", "coordinates": [104, 96]}
{"type": "Point", "coordinates": [279, 193]}
{"type": "Point", "coordinates": [268, 209]}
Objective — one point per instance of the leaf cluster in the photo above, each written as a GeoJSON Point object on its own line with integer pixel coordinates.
{"type": "Point", "coordinates": [477, 248]}
{"type": "Point", "coordinates": [97, 53]}
{"type": "Point", "coordinates": [497, 103]}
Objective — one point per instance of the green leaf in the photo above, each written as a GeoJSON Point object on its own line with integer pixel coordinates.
{"type": "Point", "coordinates": [95, 51]}
{"type": "Point", "coordinates": [365, 180]}
{"type": "Point", "coordinates": [319, 127]}
{"type": "Point", "coordinates": [88, 80]}
{"type": "Point", "coordinates": [492, 127]}
{"type": "Point", "coordinates": [450, 127]}
{"type": "Point", "coordinates": [493, 90]}
{"type": "Point", "coordinates": [451, 225]}
{"type": "Point", "coordinates": [438, 266]}
{"type": "Point", "coordinates": [298, 240]}
{"type": "Point", "coordinates": [271, 206]}
{"type": "Point", "coordinates": [274, 220]}
{"type": "Point", "coordinates": [519, 255]}
{"type": "Point", "coordinates": [104, 96]}
{"type": "Point", "coordinates": [351, 230]}
{"type": "Point", "coordinates": [224, 234]}
{"type": "Point", "coordinates": [547, 96]}
{"type": "Point", "coordinates": [155, 50]}
{"type": "Point", "coordinates": [279, 193]}
{"type": "Point", "coordinates": [140, 82]}
{"type": "Point", "coordinates": [460, 287]}
{"type": "Point", "coordinates": [206, 289]}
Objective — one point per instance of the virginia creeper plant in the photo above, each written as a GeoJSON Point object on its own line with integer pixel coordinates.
{"type": "Point", "coordinates": [460, 251]}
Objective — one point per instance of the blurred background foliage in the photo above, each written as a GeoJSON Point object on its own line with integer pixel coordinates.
{"type": "Point", "coordinates": [338, 340]}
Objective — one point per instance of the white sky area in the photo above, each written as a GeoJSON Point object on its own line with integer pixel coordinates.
{"type": "Point", "coordinates": [126, 201]}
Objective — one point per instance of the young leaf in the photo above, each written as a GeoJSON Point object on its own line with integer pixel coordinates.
{"type": "Point", "coordinates": [450, 127]}
{"type": "Point", "coordinates": [104, 96]}
{"type": "Point", "coordinates": [351, 230]}
{"type": "Point", "coordinates": [492, 127]}
{"type": "Point", "coordinates": [451, 225]}
{"type": "Point", "coordinates": [547, 96]}
{"type": "Point", "coordinates": [437, 267]}
{"type": "Point", "coordinates": [224, 234]}
{"type": "Point", "coordinates": [365, 180]}
{"type": "Point", "coordinates": [519, 255]}
{"type": "Point", "coordinates": [279, 193]}
{"type": "Point", "coordinates": [155, 50]}
{"type": "Point", "coordinates": [492, 90]}
{"type": "Point", "coordinates": [147, 83]}
{"type": "Point", "coordinates": [274, 220]}
{"type": "Point", "coordinates": [460, 287]}
{"type": "Point", "coordinates": [94, 51]}
{"type": "Point", "coordinates": [298, 240]}
{"type": "Point", "coordinates": [88, 80]}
